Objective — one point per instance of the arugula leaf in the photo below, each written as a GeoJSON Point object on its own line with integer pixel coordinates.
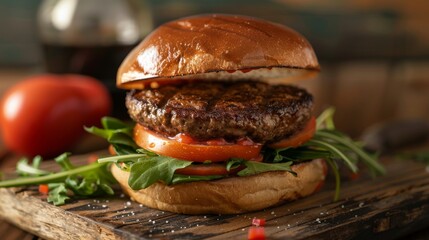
{"type": "Point", "coordinates": [233, 163]}
{"type": "Point", "coordinates": [178, 178]}
{"type": "Point", "coordinates": [253, 168]}
{"type": "Point", "coordinates": [64, 162]}
{"type": "Point", "coordinates": [57, 193]}
{"type": "Point", "coordinates": [147, 171]}
{"type": "Point", "coordinates": [117, 133]}
{"type": "Point", "coordinates": [24, 169]}
{"type": "Point", "coordinates": [113, 123]}
{"type": "Point", "coordinates": [85, 181]}
{"type": "Point", "coordinates": [334, 151]}
{"type": "Point", "coordinates": [326, 119]}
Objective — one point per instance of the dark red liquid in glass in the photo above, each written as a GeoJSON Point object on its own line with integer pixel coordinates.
{"type": "Point", "coordinates": [101, 62]}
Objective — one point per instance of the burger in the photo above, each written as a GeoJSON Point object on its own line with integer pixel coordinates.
{"type": "Point", "coordinates": [218, 128]}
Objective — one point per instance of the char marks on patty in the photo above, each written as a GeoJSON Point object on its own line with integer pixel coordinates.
{"type": "Point", "coordinates": [222, 109]}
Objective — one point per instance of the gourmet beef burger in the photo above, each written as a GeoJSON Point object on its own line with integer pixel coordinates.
{"type": "Point", "coordinates": [209, 93]}
{"type": "Point", "coordinates": [222, 109]}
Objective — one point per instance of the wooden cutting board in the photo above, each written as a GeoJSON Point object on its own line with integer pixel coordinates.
{"type": "Point", "coordinates": [386, 207]}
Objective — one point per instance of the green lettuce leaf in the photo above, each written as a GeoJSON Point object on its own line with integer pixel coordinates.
{"type": "Point", "coordinates": [57, 193]}
{"type": "Point", "coordinates": [147, 171]}
{"type": "Point", "coordinates": [178, 178]}
{"type": "Point", "coordinates": [253, 168]}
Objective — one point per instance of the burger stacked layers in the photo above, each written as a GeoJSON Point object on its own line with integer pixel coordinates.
{"type": "Point", "coordinates": [211, 90]}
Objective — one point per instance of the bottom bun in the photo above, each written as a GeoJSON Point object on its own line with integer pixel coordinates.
{"type": "Point", "coordinates": [229, 195]}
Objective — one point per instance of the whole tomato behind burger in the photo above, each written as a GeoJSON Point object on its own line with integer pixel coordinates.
{"type": "Point", "coordinates": [45, 114]}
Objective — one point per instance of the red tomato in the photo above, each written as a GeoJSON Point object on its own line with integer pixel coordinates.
{"type": "Point", "coordinates": [45, 115]}
{"type": "Point", "coordinates": [299, 138]}
{"type": "Point", "coordinates": [193, 151]}
{"type": "Point", "coordinates": [95, 94]}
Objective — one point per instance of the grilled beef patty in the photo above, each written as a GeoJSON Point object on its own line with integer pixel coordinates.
{"type": "Point", "coordinates": [222, 109]}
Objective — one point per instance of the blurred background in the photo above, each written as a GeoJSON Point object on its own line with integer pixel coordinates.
{"type": "Point", "coordinates": [374, 54]}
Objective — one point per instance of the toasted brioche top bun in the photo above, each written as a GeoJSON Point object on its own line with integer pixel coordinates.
{"type": "Point", "coordinates": [229, 195]}
{"type": "Point", "coordinates": [218, 47]}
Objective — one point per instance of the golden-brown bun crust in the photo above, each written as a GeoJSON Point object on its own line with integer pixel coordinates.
{"type": "Point", "coordinates": [230, 195]}
{"type": "Point", "coordinates": [214, 46]}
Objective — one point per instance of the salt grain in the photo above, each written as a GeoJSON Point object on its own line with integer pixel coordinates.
{"type": "Point", "coordinates": [128, 203]}
{"type": "Point", "coordinates": [103, 206]}
{"type": "Point", "coordinates": [166, 221]}
{"type": "Point", "coordinates": [318, 220]}
{"type": "Point", "coordinates": [272, 213]}
{"type": "Point", "coordinates": [342, 206]}
{"type": "Point", "coordinates": [361, 204]}
{"type": "Point", "coordinates": [355, 216]}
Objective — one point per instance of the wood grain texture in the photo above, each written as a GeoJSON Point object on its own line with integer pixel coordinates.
{"type": "Point", "coordinates": [387, 207]}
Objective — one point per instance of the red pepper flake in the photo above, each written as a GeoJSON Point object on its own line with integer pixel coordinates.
{"type": "Point", "coordinates": [256, 233]}
{"type": "Point", "coordinates": [43, 189]}
{"type": "Point", "coordinates": [259, 222]}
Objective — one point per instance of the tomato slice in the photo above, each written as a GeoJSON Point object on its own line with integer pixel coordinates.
{"type": "Point", "coordinates": [299, 138]}
{"type": "Point", "coordinates": [196, 152]}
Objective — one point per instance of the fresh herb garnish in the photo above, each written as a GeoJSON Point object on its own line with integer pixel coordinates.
{"type": "Point", "coordinates": [72, 181]}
